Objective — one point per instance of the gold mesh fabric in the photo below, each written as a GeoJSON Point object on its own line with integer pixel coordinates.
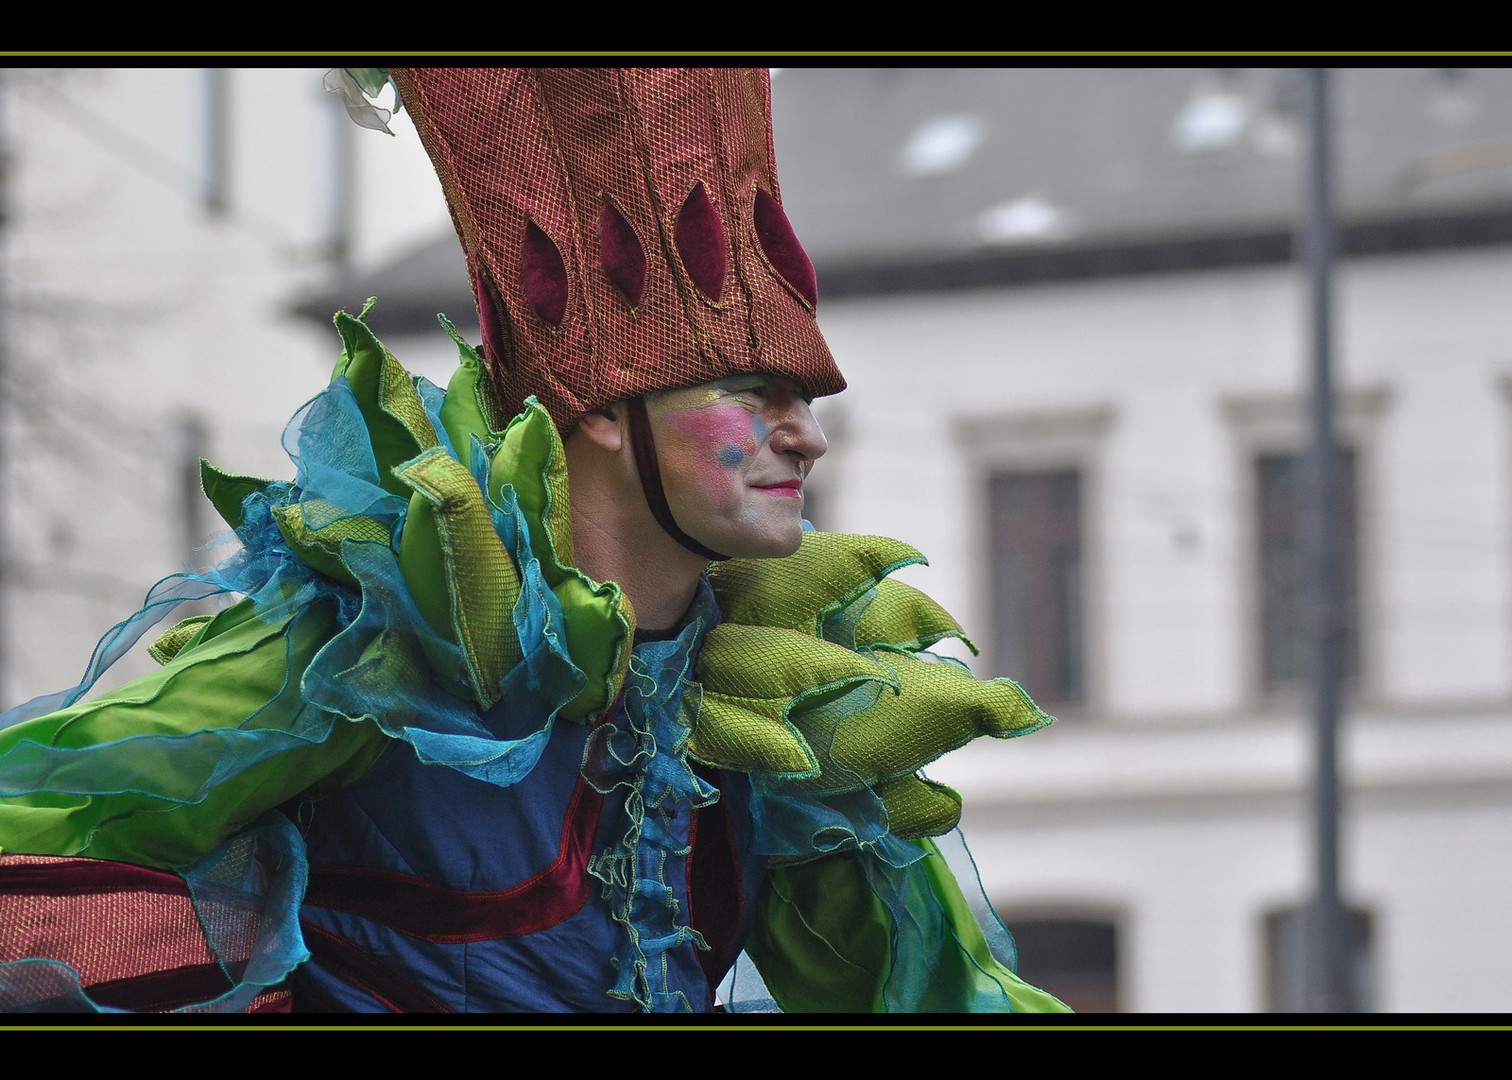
{"type": "Point", "coordinates": [549, 147]}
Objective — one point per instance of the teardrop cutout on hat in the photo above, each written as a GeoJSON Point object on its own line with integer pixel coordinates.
{"type": "Point", "coordinates": [621, 252]}
{"type": "Point", "coordinates": [783, 252]}
{"type": "Point", "coordinates": [700, 237]}
{"type": "Point", "coordinates": [543, 275]}
{"type": "Point", "coordinates": [492, 320]}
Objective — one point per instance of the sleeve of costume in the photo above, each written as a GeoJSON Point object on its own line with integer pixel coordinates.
{"type": "Point", "coordinates": [161, 770]}
{"type": "Point", "coordinates": [845, 933]}
{"type": "Point", "coordinates": [822, 685]}
{"type": "Point", "coordinates": [412, 579]}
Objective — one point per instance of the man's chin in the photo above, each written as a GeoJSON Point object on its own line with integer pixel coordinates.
{"type": "Point", "coordinates": [764, 547]}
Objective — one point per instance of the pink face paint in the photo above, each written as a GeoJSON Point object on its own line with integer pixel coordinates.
{"type": "Point", "coordinates": [718, 440]}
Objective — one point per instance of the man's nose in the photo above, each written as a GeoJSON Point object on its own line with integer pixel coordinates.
{"type": "Point", "coordinates": [799, 432]}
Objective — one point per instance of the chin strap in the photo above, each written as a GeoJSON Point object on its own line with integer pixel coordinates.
{"type": "Point", "coordinates": [643, 445]}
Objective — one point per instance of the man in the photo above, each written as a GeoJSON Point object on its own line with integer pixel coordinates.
{"type": "Point", "coordinates": [569, 710]}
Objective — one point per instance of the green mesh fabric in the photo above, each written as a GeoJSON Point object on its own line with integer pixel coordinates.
{"type": "Point", "coordinates": [172, 641]}
{"type": "Point", "coordinates": [401, 401]}
{"type": "Point", "coordinates": [917, 806]}
{"type": "Point", "coordinates": [938, 707]}
{"type": "Point", "coordinates": [902, 617]}
{"type": "Point", "coordinates": [397, 426]}
{"type": "Point", "coordinates": [820, 658]}
{"type": "Point", "coordinates": [826, 574]}
{"type": "Point", "coordinates": [482, 580]}
{"type": "Point", "coordinates": [753, 677]}
{"type": "Point", "coordinates": [316, 528]}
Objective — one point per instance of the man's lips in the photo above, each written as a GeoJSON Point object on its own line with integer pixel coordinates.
{"type": "Point", "coordinates": [784, 489]}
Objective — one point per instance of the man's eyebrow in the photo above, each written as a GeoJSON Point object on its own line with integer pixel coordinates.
{"type": "Point", "coordinates": [744, 381]}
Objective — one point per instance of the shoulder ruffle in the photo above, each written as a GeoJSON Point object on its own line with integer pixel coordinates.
{"type": "Point", "coordinates": [820, 680]}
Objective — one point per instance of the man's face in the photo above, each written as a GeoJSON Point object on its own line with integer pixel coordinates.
{"type": "Point", "coordinates": [734, 454]}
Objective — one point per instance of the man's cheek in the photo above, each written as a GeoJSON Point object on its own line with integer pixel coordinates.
{"type": "Point", "coordinates": [716, 442]}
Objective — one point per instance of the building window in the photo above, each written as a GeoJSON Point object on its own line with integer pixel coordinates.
{"type": "Point", "coordinates": [1283, 610]}
{"type": "Point", "coordinates": [1074, 959]}
{"type": "Point", "coordinates": [1286, 956]}
{"type": "Point", "coordinates": [1037, 595]}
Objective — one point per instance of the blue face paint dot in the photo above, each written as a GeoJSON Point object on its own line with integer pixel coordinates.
{"type": "Point", "coordinates": [760, 429]}
{"type": "Point", "coordinates": [730, 456]}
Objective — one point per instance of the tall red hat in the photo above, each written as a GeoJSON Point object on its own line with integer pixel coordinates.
{"type": "Point", "coordinates": [623, 227]}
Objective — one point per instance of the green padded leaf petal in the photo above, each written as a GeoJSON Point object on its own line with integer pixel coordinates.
{"type": "Point", "coordinates": [917, 806]}
{"type": "Point", "coordinates": [386, 394]}
{"type": "Point", "coordinates": [530, 457]}
{"type": "Point", "coordinates": [600, 621]}
{"type": "Point", "coordinates": [767, 663]}
{"type": "Point", "coordinates": [316, 528]}
{"type": "Point", "coordinates": [731, 734]}
{"type": "Point", "coordinates": [467, 410]}
{"type": "Point", "coordinates": [482, 581]}
{"type": "Point", "coordinates": [902, 617]}
{"type": "Point", "coordinates": [753, 679]}
{"type": "Point", "coordinates": [227, 492]}
{"type": "Point", "coordinates": [171, 641]}
{"type": "Point", "coordinates": [939, 708]}
{"type": "Point", "coordinates": [827, 573]}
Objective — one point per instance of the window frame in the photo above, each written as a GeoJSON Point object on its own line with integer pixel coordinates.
{"type": "Point", "coordinates": [1279, 424]}
{"type": "Point", "coordinates": [1040, 441]}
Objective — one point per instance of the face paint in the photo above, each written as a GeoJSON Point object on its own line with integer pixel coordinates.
{"type": "Point", "coordinates": [733, 455]}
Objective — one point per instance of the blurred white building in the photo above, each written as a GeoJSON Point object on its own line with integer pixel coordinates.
{"type": "Point", "coordinates": [1077, 362]}
{"type": "Point", "coordinates": [1078, 357]}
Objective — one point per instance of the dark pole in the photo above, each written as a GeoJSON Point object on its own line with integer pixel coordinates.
{"type": "Point", "coordinates": [1325, 982]}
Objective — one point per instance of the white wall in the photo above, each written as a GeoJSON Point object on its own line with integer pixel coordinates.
{"type": "Point", "coordinates": [129, 307]}
{"type": "Point", "coordinates": [1177, 799]}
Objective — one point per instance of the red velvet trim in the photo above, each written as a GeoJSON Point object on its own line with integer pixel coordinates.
{"type": "Point", "coordinates": [700, 237]}
{"type": "Point", "coordinates": [623, 256]}
{"type": "Point", "coordinates": [422, 909]}
{"type": "Point", "coordinates": [782, 248]}
{"type": "Point", "coordinates": [73, 876]}
{"type": "Point", "coordinates": [396, 992]}
{"type": "Point", "coordinates": [543, 275]}
{"type": "Point", "coordinates": [643, 443]}
{"type": "Point", "coordinates": [160, 991]}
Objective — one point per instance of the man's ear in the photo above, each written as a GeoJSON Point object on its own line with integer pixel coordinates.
{"type": "Point", "coordinates": [602, 427]}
